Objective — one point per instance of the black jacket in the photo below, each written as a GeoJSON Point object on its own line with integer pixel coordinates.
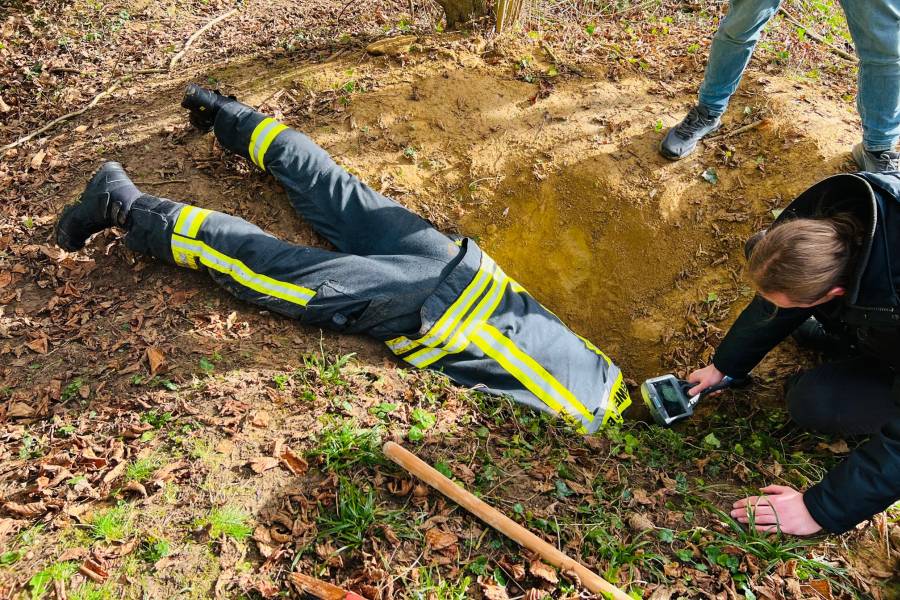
{"type": "Point", "coordinates": [868, 481]}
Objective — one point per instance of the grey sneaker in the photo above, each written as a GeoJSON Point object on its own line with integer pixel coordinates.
{"type": "Point", "coordinates": [683, 138]}
{"type": "Point", "coordinates": [876, 162]}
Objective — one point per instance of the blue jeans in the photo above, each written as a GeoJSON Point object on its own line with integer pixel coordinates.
{"type": "Point", "coordinates": [875, 27]}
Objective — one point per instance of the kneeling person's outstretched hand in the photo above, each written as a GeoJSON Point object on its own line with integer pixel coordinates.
{"type": "Point", "coordinates": [780, 509]}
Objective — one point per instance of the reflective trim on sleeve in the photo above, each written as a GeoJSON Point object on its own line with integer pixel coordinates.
{"type": "Point", "coordinates": [460, 340]}
{"type": "Point", "coordinates": [530, 374]}
{"type": "Point", "coordinates": [449, 321]}
{"type": "Point", "coordinates": [400, 344]}
{"type": "Point", "coordinates": [194, 250]}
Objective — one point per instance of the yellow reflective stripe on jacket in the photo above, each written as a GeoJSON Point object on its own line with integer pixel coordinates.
{"type": "Point", "coordinates": [553, 392]}
{"type": "Point", "coordinates": [460, 340]}
{"type": "Point", "coordinates": [618, 401]}
{"type": "Point", "coordinates": [267, 141]}
{"type": "Point", "coordinates": [237, 270]}
{"type": "Point", "coordinates": [447, 323]}
{"type": "Point", "coordinates": [189, 220]}
{"type": "Point", "coordinates": [400, 344]}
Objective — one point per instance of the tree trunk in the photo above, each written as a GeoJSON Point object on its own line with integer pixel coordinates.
{"type": "Point", "coordinates": [460, 12]}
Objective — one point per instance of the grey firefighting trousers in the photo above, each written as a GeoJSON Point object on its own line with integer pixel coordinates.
{"type": "Point", "coordinates": [436, 302]}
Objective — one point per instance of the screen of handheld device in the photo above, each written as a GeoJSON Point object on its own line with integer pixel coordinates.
{"type": "Point", "coordinates": [671, 398]}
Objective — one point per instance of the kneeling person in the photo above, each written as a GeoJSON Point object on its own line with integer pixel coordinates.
{"type": "Point", "coordinates": [437, 302]}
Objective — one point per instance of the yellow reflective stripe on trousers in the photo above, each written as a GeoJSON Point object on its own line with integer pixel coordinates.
{"type": "Point", "coordinates": [267, 141]}
{"type": "Point", "coordinates": [189, 221]}
{"type": "Point", "coordinates": [237, 270]}
{"type": "Point", "coordinates": [255, 137]}
{"type": "Point", "coordinates": [528, 371]}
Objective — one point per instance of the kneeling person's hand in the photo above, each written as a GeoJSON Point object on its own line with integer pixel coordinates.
{"type": "Point", "coordinates": [781, 509]}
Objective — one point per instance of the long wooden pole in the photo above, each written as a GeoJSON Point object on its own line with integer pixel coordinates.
{"type": "Point", "coordinates": [494, 518]}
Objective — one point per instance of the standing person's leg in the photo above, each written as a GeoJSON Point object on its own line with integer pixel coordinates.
{"type": "Point", "coordinates": [731, 50]}
{"type": "Point", "coordinates": [350, 214]}
{"type": "Point", "coordinates": [875, 27]}
{"type": "Point", "coordinates": [853, 396]}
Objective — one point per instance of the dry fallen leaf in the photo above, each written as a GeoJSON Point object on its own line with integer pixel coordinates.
{"type": "Point", "coordinates": [491, 591]}
{"type": "Point", "coordinates": [261, 419]}
{"type": "Point", "coordinates": [838, 447]}
{"type": "Point", "coordinates": [38, 159]}
{"type": "Point", "coordinates": [292, 462]}
{"type": "Point", "coordinates": [641, 496]}
{"type": "Point", "coordinates": [640, 522]}
{"type": "Point", "coordinates": [156, 359]}
{"type": "Point", "coordinates": [438, 539]}
{"type": "Point", "coordinates": [263, 463]}
{"type": "Point", "coordinates": [19, 410]}
{"type": "Point", "coordinates": [40, 345]}
{"type": "Point", "coordinates": [33, 509]}
{"type": "Point", "coordinates": [543, 571]}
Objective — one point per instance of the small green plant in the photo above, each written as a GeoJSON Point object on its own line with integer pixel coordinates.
{"type": "Point", "coordinates": [72, 389]}
{"type": "Point", "coordinates": [329, 370]}
{"type": "Point", "coordinates": [343, 445]}
{"type": "Point", "coordinates": [693, 48]}
{"type": "Point", "coordinates": [153, 549]}
{"type": "Point", "coordinates": [410, 152]}
{"type": "Point", "coordinates": [356, 510]}
{"type": "Point", "coordinates": [41, 581]}
{"type": "Point", "coordinates": [112, 525]}
{"type": "Point", "coordinates": [156, 418]}
{"type": "Point", "coordinates": [432, 587]}
{"type": "Point", "coordinates": [92, 591]}
{"type": "Point", "coordinates": [207, 366]}
{"type": "Point", "coordinates": [658, 126]}
{"type": "Point", "coordinates": [280, 380]}
{"type": "Point", "coordinates": [422, 421]}
{"type": "Point", "coordinates": [142, 468]}
{"type": "Point", "coordinates": [30, 448]}
{"type": "Point", "coordinates": [228, 521]}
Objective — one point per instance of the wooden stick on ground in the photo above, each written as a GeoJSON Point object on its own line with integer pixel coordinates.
{"type": "Point", "coordinates": [197, 34]}
{"type": "Point", "coordinates": [500, 522]}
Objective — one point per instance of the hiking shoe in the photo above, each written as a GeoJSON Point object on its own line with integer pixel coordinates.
{"type": "Point", "coordinates": [105, 202]}
{"type": "Point", "coordinates": [683, 138]}
{"type": "Point", "coordinates": [880, 161]}
{"type": "Point", "coordinates": [204, 104]}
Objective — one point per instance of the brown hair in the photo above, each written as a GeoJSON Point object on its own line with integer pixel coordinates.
{"type": "Point", "coordinates": [804, 258]}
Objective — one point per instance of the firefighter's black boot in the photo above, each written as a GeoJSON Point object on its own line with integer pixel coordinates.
{"type": "Point", "coordinates": [105, 202]}
{"type": "Point", "coordinates": [203, 104]}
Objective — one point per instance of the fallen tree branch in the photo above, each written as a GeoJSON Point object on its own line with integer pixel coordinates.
{"type": "Point", "coordinates": [815, 37]}
{"type": "Point", "coordinates": [196, 35]}
{"type": "Point", "coordinates": [65, 117]}
{"type": "Point", "coordinates": [116, 82]}
{"type": "Point", "coordinates": [735, 132]}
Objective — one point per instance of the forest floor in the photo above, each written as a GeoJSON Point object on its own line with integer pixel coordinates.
{"type": "Point", "coordinates": [161, 440]}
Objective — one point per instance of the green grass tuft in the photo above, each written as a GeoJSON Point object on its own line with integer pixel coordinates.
{"type": "Point", "coordinates": [343, 445]}
{"type": "Point", "coordinates": [228, 521]}
{"type": "Point", "coordinates": [112, 525]}
{"type": "Point", "coordinates": [41, 582]}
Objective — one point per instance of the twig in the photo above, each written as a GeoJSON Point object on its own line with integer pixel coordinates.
{"type": "Point", "coordinates": [197, 34]}
{"type": "Point", "coordinates": [815, 37]}
{"type": "Point", "coordinates": [116, 83]}
{"type": "Point", "coordinates": [65, 117]}
{"type": "Point", "coordinates": [735, 132]}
